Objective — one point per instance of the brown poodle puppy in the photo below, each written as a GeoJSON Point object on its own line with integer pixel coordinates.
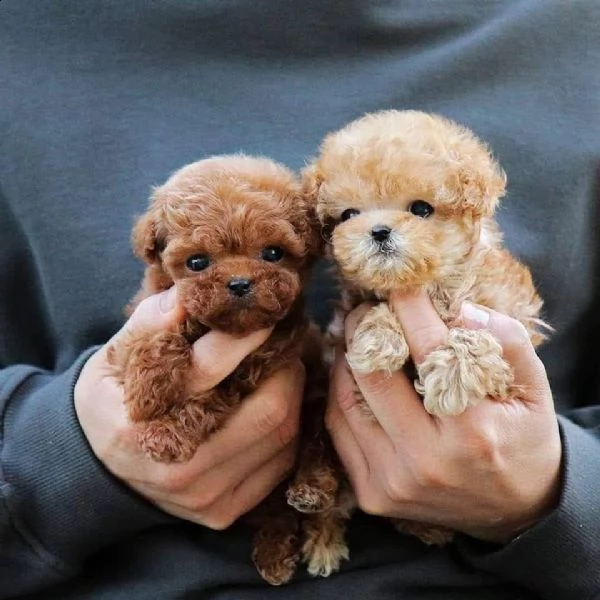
{"type": "Point", "coordinates": [235, 236]}
{"type": "Point", "coordinates": [407, 200]}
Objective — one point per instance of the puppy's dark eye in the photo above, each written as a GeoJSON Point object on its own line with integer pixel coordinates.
{"type": "Point", "coordinates": [420, 208]}
{"type": "Point", "coordinates": [349, 213]}
{"type": "Point", "coordinates": [197, 262]}
{"type": "Point", "coordinates": [271, 253]}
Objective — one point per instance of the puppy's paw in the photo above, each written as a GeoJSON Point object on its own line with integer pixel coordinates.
{"type": "Point", "coordinates": [378, 343]}
{"type": "Point", "coordinates": [276, 560]}
{"type": "Point", "coordinates": [307, 498]}
{"type": "Point", "coordinates": [163, 441]}
{"type": "Point", "coordinates": [432, 535]}
{"type": "Point", "coordinates": [324, 553]}
{"type": "Point", "coordinates": [465, 370]}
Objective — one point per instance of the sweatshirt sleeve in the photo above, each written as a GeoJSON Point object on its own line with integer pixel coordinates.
{"type": "Point", "coordinates": [558, 558]}
{"type": "Point", "coordinates": [58, 504]}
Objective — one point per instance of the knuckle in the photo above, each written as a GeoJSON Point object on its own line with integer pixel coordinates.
{"type": "Point", "coordinates": [347, 397]}
{"type": "Point", "coordinates": [425, 339]}
{"type": "Point", "coordinates": [331, 420]}
{"type": "Point", "coordinates": [287, 432]}
{"type": "Point", "coordinates": [203, 500]}
{"type": "Point", "coordinates": [396, 490]}
{"type": "Point", "coordinates": [272, 414]}
{"type": "Point", "coordinates": [516, 337]}
{"type": "Point", "coordinates": [369, 502]}
{"type": "Point", "coordinates": [483, 445]}
{"type": "Point", "coordinates": [205, 370]}
{"type": "Point", "coordinates": [144, 313]}
{"type": "Point", "coordinates": [173, 480]}
{"type": "Point", "coordinates": [220, 521]}
{"type": "Point", "coordinates": [427, 476]}
{"type": "Point", "coordinates": [289, 463]}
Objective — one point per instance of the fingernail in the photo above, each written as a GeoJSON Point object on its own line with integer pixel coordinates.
{"type": "Point", "coordinates": [166, 301]}
{"type": "Point", "coordinates": [474, 315]}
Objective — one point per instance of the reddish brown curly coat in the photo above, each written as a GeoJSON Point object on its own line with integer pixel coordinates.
{"type": "Point", "coordinates": [227, 209]}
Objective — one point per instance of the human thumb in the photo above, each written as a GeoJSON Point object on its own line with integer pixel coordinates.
{"type": "Point", "coordinates": [154, 313]}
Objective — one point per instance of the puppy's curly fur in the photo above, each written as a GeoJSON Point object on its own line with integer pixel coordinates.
{"type": "Point", "coordinates": [407, 201]}
{"type": "Point", "coordinates": [236, 237]}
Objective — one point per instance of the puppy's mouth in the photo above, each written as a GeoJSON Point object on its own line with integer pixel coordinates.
{"type": "Point", "coordinates": [240, 306]}
{"type": "Point", "coordinates": [381, 258]}
{"type": "Point", "coordinates": [388, 248]}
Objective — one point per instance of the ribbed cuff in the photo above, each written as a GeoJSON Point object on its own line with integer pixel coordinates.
{"type": "Point", "coordinates": [62, 500]}
{"type": "Point", "coordinates": [559, 557]}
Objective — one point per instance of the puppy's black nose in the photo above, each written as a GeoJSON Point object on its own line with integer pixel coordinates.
{"type": "Point", "coordinates": [239, 286]}
{"type": "Point", "coordinates": [380, 233]}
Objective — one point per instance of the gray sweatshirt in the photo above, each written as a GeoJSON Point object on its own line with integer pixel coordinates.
{"type": "Point", "coordinates": [101, 99]}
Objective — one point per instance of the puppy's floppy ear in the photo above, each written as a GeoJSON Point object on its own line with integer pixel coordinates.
{"type": "Point", "coordinates": [304, 220]}
{"type": "Point", "coordinates": [148, 238]}
{"type": "Point", "coordinates": [481, 187]}
{"type": "Point", "coordinates": [312, 179]}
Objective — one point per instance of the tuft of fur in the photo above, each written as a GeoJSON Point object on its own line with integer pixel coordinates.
{"type": "Point", "coordinates": [378, 166]}
{"type": "Point", "coordinates": [228, 209]}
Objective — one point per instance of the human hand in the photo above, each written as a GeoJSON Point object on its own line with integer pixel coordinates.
{"type": "Point", "coordinates": [490, 472]}
{"type": "Point", "coordinates": [230, 473]}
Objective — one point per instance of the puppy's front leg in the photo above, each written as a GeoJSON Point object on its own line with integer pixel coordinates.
{"type": "Point", "coordinates": [465, 370]}
{"type": "Point", "coordinates": [176, 437]}
{"type": "Point", "coordinates": [378, 343]}
{"type": "Point", "coordinates": [152, 368]}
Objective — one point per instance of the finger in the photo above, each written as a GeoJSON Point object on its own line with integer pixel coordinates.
{"type": "Point", "coordinates": [345, 394]}
{"type": "Point", "coordinates": [422, 326]}
{"type": "Point", "coordinates": [395, 404]}
{"type": "Point", "coordinates": [204, 488]}
{"type": "Point", "coordinates": [353, 318]}
{"type": "Point", "coordinates": [256, 488]}
{"type": "Point", "coordinates": [216, 355]}
{"type": "Point", "coordinates": [345, 444]}
{"type": "Point", "coordinates": [233, 503]}
{"type": "Point", "coordinates": [518, 351]}
{"type": "Point", "coordinates": [270, 416]}
{"type": "Point", "coordinates": [154, 313]}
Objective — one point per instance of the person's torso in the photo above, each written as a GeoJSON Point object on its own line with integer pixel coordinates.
{"type": "Point", "coordinates": [103, 99]}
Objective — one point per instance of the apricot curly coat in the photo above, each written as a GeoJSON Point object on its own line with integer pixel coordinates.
{"type": "Point", "coordinates": [236, 238]}
{"type": "Point", "coordinates": [407, 201]}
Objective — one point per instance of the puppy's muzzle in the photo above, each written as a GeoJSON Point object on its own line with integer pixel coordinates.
{"type": "Point", "coordinates": [239, 286]}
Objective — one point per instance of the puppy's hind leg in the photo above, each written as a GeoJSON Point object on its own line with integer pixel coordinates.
{"type": "Point", "coordinates": [176, 436]}
{"type": "Point", "coordinates": [378, 343]}
{"type": "Point", "coordinates": [462, 372]}
{"type": "Point", "coordinates": [276, 544]}
{"type": "Point", "coordinates": [324, 545]}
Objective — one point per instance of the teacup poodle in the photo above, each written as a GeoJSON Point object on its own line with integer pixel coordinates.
{"type": "Point", "coordinates": [236, 237]}
{"type": "Point", "coordinates": [406, 200]}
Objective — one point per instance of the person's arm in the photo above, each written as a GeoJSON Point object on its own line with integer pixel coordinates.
{"type": "Point", "coordinates": [58, 504]}
{"type": "Point", "coordinates": [73, 480]}
{"type": "Point", "coordinates": [511, 473]}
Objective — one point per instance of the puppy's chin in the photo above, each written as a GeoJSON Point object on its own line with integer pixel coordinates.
{"type": "Point", "coordinates": [381, 268]}
{"type": "Point", "coordinates": [244, 320]}
{"type": "Point", "coordinates": [210, 302]}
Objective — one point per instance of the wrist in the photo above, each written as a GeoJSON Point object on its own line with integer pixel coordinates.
{"type": "Point", "coordinates": [507, 528]}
